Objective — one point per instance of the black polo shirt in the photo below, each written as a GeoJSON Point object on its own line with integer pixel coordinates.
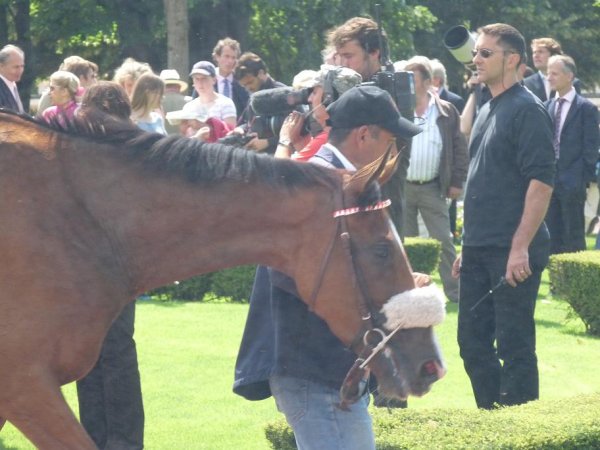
{"type": "Point", "coordinates": [511, 144]}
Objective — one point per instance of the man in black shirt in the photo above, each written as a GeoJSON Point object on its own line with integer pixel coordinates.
{"type": "Point", "coordinates": [508, 189]}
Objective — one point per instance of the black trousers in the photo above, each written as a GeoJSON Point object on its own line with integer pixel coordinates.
{"type": "Point", "coordinates": [497, 338]}
{"type": "Point", "coordinates": [566, 221]}
{"type": "Point", "coordinates": [110, 396]}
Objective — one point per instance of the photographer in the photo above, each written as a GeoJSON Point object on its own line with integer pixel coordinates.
{"type": "Point", "coordinates": [326, 86]}
{"type": "Point", "coordinates": [251, 72]}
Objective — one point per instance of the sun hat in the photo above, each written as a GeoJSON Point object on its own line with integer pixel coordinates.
{"type": "Point", "coordinates": [171, 76]}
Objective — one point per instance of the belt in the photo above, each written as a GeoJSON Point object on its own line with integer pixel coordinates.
{"type": "Point", "coordinates": [433, 180]}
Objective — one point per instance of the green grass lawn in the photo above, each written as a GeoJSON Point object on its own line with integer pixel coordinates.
{"type": "Point", "coordinates": [187, 353]}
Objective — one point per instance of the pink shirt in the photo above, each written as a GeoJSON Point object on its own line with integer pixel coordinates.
{"type": "Point", "coordinates": [60, 113]}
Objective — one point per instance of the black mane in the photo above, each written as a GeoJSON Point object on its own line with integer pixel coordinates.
{"type": "Point", "coordinates": [197, 161]}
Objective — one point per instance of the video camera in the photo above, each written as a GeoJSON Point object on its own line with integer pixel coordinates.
{"type": "Point", "coordinates": [401, 84]}
{"type": "Point", "coordinates": [272, 106]}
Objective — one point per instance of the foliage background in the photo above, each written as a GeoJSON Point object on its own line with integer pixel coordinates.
{"type": "Point", "coordinates": [288, 34]}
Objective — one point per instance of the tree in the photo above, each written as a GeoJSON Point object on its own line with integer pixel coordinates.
{"type": "Point", "coordinates": [176, 12]}
{"type": "Point", "coordinates": [573, 23]}
{"type": "Point", "coordinates": [290, 34]}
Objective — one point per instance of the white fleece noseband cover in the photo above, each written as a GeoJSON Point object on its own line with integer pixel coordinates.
{"type": "Point", "coordinates": [418, 308]}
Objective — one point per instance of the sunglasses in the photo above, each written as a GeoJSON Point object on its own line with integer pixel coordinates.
{"type": "Point", "coordinates": [486, 52]}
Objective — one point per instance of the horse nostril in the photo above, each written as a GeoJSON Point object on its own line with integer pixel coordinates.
{"type": "Point", "coordinates": [432, 369]}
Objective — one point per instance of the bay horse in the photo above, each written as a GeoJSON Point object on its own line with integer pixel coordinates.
{"type": "Point", "coordinates": [100, 212]}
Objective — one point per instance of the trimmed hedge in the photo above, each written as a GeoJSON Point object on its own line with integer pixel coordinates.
{"type": "Point", "coordinates": [574, 277]}
{"type": "Point", "coordinates": [235, 283]}
{"type": "Point", "coordinates": [567, 424]}
{"type": "Point", "coordinates": [192, 289]}
{"type": "Point", "coordinates": [423, 253]}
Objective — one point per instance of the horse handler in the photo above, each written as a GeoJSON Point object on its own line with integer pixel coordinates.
{"type": "Point", "coordinates": [287, 351]}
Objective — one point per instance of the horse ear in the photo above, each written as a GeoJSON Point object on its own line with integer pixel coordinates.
{"type": "Point", "coordinates": [371, 172]}
{"type": "Point", "coordinates": [389, 169]}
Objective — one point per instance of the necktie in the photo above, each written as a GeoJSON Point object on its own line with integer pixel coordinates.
{"type": "Point", "coordinates": [226, 88]}
{"type": "Point", "coordinates": [557, 115]}
{"type": "Point", "coordinates": [18, 99]}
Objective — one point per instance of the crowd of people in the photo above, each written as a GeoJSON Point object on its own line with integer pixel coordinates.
{"type": "Point", "coordinates": [521, 151]}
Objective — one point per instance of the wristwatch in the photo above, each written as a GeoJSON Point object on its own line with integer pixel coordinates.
{"type": "Point", "coordinates": [286, 143]}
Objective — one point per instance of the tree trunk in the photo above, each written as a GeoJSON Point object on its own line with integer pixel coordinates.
{"type": "Point", "coordinates": [22, 30]}
{"type": "Point", "coordinates": [176, 12]}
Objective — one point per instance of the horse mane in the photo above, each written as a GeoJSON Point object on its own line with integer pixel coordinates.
{"type": "Point", "coordinates": [196, 161]}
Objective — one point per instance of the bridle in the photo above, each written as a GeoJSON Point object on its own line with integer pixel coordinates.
{"type": "Point", "coordinates": [371, 334]}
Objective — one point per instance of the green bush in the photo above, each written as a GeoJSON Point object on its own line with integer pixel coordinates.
{"type": "Point", "coordinates": [542, 425]}
{"type": "Point", "coordinates": [191, 289]}
{"type": "Point", "coordinates": [575, 278]}
{"type": "Point", "coordinates": [423, 254]}
{"type": "Point", "coordinates": [234, 283]}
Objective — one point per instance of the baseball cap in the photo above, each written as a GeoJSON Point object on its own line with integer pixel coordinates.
{"type": "Point", "coordinates": [204, 68]}
{"type": "Point", "coordinates": [369, 105]}
{"type": "Point", "coordinates": [171, 76]}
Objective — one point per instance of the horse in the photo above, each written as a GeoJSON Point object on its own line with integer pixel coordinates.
{"type": "Point", "coordinates": [99, 212]}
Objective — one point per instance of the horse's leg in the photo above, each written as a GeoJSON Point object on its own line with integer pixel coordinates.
{"type": "Point", "coordinates": [2, 422]}
{"type": "Point", "coordinates": [43, 416]}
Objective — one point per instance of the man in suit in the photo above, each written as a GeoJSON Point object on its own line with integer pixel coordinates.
{"type": "Point", "coordinates": [542, 49]}
{"type": "Point", "coordinates": [12, 64]}
{"type": "Point", "coordinates": [226, 54]}
{"type": "Point", "coordinates": [438, 82]}
{"type": "Point", "coordinates": [576, 141]}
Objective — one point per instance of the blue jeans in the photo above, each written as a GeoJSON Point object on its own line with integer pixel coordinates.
{"type": "Point", "coordinates": [318, 423]}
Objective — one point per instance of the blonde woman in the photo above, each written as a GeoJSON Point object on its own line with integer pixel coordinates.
{"type": "Point", "coordinates": [64, 87]}
{"type": "Point", "coordinates": [147, 95]}
{"type": "Point", "coordinates": [128, 73]}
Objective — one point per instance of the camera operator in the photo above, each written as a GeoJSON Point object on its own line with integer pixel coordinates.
{"type": "Point", "coordinates": [327, 85]}
{"type": "Point", "coordinates": [252, 73]}
{"type": "Point", "coordinates": [359, 45]}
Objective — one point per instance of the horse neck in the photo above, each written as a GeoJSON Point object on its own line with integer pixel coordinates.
{"type": "Point", "coordinates": [165, 228]}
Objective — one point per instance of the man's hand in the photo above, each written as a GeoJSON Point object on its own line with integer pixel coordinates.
{"type": "Point", "coordinates": [517, 267]}
{"type": "Point", "coordinates": [454, 192]}
{"type": "Point", "coordinates": [456, 266]}
{"type": "Point", "coordinates": [292, 128]}
{"type": "Point", "coordinates": [258, 145]}
{"type": "Point", "coordinates": [421, 279]}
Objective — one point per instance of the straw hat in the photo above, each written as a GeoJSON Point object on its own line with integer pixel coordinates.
{"type": "Point", "coordinates": [171, 76]}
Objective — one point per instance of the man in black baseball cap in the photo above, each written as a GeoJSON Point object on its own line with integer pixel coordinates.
{"type": "Point", "coordinates": [364, 122]}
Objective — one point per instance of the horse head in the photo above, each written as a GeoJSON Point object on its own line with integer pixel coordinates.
{"type": "Point", "coordinates": [381, 314]}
